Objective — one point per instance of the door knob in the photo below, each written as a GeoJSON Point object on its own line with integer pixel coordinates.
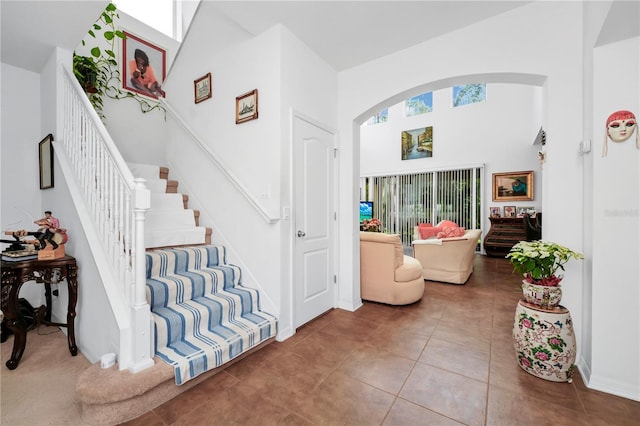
{"type": "Point", "coordinates": [301, 234]}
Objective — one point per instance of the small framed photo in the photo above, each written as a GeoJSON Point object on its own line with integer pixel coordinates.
{"type": "Point", "coordinates": [45, 154]}
{"type": "Point", "coordinates": [530, 210]}
{"type": "Point", "coordinates": [202, 88]}
{"type": "Point", "coordinates": [143, 66]}
{"type": "Point", "coordinates": [509, 211]}
{"type": "Point", "coordinates": [247, 106]}
{"type": "Point", "coordinates": [513, 186]}
{"type": "Point", "coordinates": [495, 212]}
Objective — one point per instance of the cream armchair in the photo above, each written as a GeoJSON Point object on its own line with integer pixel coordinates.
{"type": "Point", "coordinates": [448, 259]}
{"type": "Point", "coordinates": [387, 275]}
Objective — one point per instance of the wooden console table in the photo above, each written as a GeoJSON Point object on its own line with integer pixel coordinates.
{"type": "Point", "coordinates": [47, 272]}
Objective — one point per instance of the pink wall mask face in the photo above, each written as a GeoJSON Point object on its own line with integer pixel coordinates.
{"type": "Point", "coordinates": [621, 130]}
{"type": "Point", "coordinates": [620, 126]}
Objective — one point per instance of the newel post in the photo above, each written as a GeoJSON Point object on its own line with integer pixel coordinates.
{"type": "Point", "coordinates": [141, 335]}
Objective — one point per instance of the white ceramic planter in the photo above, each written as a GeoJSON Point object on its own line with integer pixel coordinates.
{"type": "Point", "coordinates": [544, 296]}
{"type": "Point", "coordinates": [544, 342]}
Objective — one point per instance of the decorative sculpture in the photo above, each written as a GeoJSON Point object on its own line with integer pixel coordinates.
{"type": "Point", "coordinates": [620, 126]}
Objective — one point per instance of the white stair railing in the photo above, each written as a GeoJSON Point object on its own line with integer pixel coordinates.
{"type": "Point", "coordinates": [117, 204]}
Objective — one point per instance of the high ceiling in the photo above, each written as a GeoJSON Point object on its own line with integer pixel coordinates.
{"type": "Point", "coordinates": [344, 33]}
{"type": "Point", "coordinates": [349, 33]}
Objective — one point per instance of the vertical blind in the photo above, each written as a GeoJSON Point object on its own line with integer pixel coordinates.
{"type": "Point", "coordinates": [401, 201]}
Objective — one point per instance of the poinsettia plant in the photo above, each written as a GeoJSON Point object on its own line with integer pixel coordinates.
{"type": "Point", "coordinates": [371, 225]}
{"type": "Point", "coordinates": [539, 261]}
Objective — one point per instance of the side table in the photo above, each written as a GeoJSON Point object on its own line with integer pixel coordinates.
{"type": "Point", "coordinates": [47, 272]}
{"type": "Point", "coordinates": [544, 341]}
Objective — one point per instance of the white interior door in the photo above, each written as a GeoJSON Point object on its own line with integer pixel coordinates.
{"type": "Point", "coordinates": [313, 276]}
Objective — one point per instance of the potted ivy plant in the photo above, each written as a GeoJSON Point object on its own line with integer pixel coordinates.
{"type": "Point", "coordinates": [539, 263]}
{"type": "Point", "coordinates": [98, 73]}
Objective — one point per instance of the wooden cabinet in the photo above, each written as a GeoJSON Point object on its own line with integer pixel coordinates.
{"type": "Point", "coordinates": [505, 232]}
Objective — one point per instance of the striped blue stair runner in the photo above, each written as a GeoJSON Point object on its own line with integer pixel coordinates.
{"type": "Point", "coordinates": [203, 317]}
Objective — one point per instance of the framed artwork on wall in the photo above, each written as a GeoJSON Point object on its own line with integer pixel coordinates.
{"type": "Point", "coordinates": [202, 88]}
{"type": "Point", "coordinates": [45, 157]}
{"type": "Point", "coordinates": [416, 143]}
{"type": "Point", "coordinates": [513, 186]}
{"type": "Point", "coordinates": [143, 66]}
{"type": "Point", "coordinates": [247, 106]}
{"type": "Point", "coordinates": [495, 212]}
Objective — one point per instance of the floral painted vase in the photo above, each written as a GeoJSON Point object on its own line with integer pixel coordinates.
{"type": "Point", "coordinates": [544, 342]}
{"type": "Point", "coordinates": [547, 297]}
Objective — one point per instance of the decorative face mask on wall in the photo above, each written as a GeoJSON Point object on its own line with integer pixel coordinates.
{"type": "Point", "coordinates": [620, 126]}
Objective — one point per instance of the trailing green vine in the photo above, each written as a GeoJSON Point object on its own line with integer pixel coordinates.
{"type": "Point", "coordinates": [99, 74]}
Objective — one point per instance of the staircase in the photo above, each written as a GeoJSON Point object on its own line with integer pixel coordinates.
{"type": "Point", "coordinates": [169, 221]}
{"type": "Point", "coordinates": [203, 318]}
{"type": "Point", "coordinates": [202, 315]}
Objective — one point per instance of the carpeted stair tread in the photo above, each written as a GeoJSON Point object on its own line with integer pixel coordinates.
{"type": "Point", "coordinates": [203, 316]}
{"type": "Point", "coordinates": [98, 385]}
{"type": "Point", "coordinates": [175, 236]}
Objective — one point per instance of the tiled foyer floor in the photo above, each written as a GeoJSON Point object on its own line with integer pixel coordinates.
{"type": "Point", "coordinates": [446, 360]}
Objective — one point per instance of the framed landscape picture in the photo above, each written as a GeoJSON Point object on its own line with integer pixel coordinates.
{"type": "Point", "coordinates": [416, 143]}
{"type": "Point", "coordinates": [513, 186]}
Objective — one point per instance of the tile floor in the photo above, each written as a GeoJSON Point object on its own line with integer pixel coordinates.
{"type": "Point", "coordinates": [446, 360]}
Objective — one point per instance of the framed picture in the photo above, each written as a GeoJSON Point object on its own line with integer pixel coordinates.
{"type": "Point", "coordinates": [45, 154]}
{"type": "Point", "coordinates": [495, 212]}
{"type": "Point", "coordinates": [513, 186]}
{"type": "Point", "coordinates": [509, 211]}
{"type": "Point", "coordinates": [202, 88]}
{"type": "Point", "coordinates": [521, 211]}
{"type": "Point", "coordinates": [416, 143]}
{"type": "Point", "coordinates": [247, 106]}
{"type": "Point", "coordinates": [144, 66]}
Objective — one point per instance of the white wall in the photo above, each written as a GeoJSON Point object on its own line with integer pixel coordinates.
{"type": "Point", "coordinates": [498, 133]}
{"type": "Point", "coordinates": [257, 153]}
{"type": "Point", "coordinates": [20, 135]}
{"type": "Point", "coordinates": [616, 225]}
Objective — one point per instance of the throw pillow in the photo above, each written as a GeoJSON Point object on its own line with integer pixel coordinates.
{"type": "Point", "coordinates": [444, 223]}
{"type": "Point", "coordinates": [428, 231]}
{"type": "Point", "coordinates": [451, 232]}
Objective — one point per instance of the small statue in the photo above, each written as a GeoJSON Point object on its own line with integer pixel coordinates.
{"type": "Point", "coordinates": [49, 231]}
{"type": "Point", "coordinates": [49, 225]}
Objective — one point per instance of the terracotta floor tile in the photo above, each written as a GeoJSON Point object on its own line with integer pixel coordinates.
{"type": "Point", "coordinates": [449, 394]}
{"type": "Point", "coordinates": [465, 360]}
{"type": "Point", "coordinates": [148, 419]}
{"type": "Point", "coordinates": [405, 343]}
{"type": "Point", "coordinates": [615, 409]}
{"type": "Point", "coordinates": [378, 368]}
{"type": "Point", "coordinates": [405, 413]}
{"type": "Point", "coordinates": [194, 398]}
{"type": "Point", "coordinates": [470, 334]}
{"type": "Point", "coordinates": [506, 407]}
{"type": "Point", "coordinates": [506, 373]}
{"type": "Point", "coordinates": [342, 399]}
{"type": "Point", "coordinates": [325, 349]}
